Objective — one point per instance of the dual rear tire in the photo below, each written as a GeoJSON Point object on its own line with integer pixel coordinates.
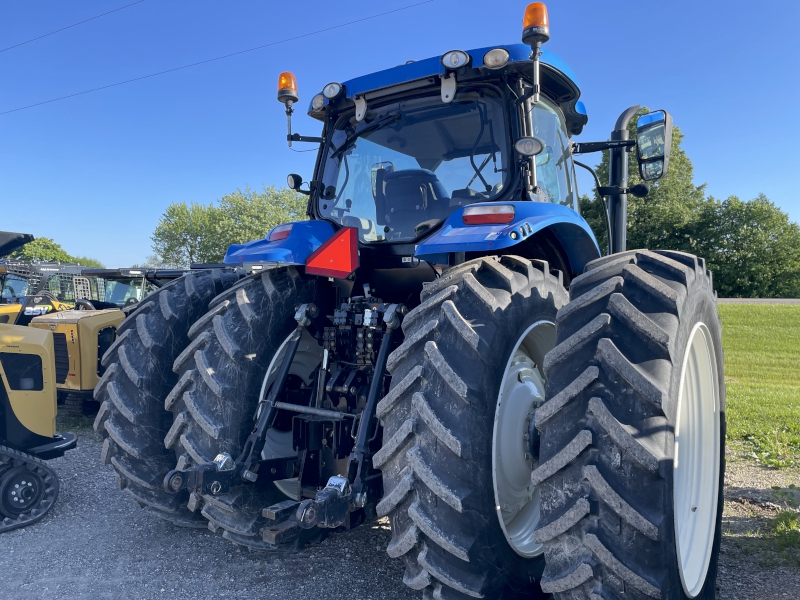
{"type": "Point", "coordinates": [633, 433]}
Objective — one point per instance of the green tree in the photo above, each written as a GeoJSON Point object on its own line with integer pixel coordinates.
{"type": "Point", "coordinates": [186, 234]}
{"type": "Point", "coordinates": [248, 215]}
{"type": "Point", "coordinates": [48, 250]}
{"type": "Point", "coordinates": [659, 219]}
{"type": "Point", "coordinates": [198, 233]}
{"type": "Point", "coordinates": [87, 261]}
{"type": "Point", "coordinates": [42, 249]}
{"type": "Point", "coordinates": [751, 247]}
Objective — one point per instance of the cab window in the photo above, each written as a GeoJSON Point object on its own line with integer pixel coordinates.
{"type": "Point", "coordinates": [554, 170]}
{"type": "Point", "coordinates": [14, 287]}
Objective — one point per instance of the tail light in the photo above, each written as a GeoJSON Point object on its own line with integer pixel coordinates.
{"type": "Point", "coordinates": [497, 214]}
{"type": "Point", "coordinates": [281, 232]}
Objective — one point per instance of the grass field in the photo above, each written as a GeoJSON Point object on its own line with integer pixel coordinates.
{"type": "Point", "coordinates": [762, 371]}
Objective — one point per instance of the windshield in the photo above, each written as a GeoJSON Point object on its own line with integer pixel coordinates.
{"type": "Point", "coordinates": [14, 287]}
{"type": "Point", "coordinates": [122, 292]}
{"type": "Point", "coordinates": [411, 163]}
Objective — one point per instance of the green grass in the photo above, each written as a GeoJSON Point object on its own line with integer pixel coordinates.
{"type": "Point", "coordinates": [786, 530]}
{"type": "Point", "coordinates": [762, 371]}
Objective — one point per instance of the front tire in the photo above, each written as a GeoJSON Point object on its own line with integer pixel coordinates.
{"type": "Point", "coordinates": [633, 433]}
{"type": "Point", "coordinates": [445, 466]}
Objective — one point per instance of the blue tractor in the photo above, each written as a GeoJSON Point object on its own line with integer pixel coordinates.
{"type": "Point", "coordinates": [443, 343]}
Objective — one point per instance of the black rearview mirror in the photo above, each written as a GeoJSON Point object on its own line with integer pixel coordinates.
{"type": "Point", "coordinates": [653, 143]}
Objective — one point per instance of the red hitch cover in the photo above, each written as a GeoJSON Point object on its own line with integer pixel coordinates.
{"type": "Point", "coordinates": [337, 257]}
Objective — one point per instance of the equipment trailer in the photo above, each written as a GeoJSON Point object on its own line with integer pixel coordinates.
{"type": "Point", "coordinates": [443, 344]}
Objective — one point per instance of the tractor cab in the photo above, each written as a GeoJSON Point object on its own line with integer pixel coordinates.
{"type": "Point", "coordinates": [415, 156]}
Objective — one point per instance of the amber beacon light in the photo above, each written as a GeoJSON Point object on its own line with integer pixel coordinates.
{"type": "Point", "coordinates": [287, 88]}
{"type": "Point", "coordinates": [535, 25]}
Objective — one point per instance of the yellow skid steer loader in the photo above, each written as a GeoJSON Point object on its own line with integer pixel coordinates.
{"type": "Point", "coordinates": [28, 486]}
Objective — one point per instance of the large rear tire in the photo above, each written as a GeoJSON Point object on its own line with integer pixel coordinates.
{"type": "Point", "coordinates": [459, 520]}
{"type": "Point", "coordinates": [220, 374]}
{"type": "Point", "coordinates": [138, 378]}
{"type": "Point", "coordinates": [633, 433]}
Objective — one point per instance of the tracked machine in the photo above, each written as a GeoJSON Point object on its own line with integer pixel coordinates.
{"type": "Point", "coordinates": [28, 438]}
{"type": "Point", "coordinates": [442, 343]}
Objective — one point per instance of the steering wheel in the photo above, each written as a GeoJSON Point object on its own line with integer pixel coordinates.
{"type": "Point", "coordinates": [83, 304]}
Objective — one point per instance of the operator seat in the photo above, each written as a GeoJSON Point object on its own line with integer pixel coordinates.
{"type": "Point", "coordinates": [410, 197]}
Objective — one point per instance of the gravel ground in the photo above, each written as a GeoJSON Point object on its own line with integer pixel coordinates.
{"type": "Point", "coordinates": [96, 544]}
{"type": "Point", "coordinates": [750, 565]}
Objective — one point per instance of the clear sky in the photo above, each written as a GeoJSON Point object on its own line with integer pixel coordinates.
{"type": "Point", "coordinates": [96, 171]}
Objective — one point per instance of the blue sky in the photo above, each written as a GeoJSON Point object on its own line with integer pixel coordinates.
{"type": "Point", "coordinates": [96, 171]}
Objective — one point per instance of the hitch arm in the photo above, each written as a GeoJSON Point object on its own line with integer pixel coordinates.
{"type": "Point", "coordinates": [248, 460]}
{"type": "Point", "coordinates": [356, 463]}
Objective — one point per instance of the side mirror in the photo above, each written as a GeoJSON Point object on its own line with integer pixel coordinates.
{"type": "Point", "coordinates": [653, 144]}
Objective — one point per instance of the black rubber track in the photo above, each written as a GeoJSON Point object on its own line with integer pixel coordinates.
{"type": "Point", "coordinates": [138, 378]}
{"type": "Point", "coordinates": [11, 459]}
{"type": "Point", "coordinates": [219, 378]}
{"type": "Point", "coordinates": [607, 427]}
{"type": "Point", "coordinates": [438, 424]}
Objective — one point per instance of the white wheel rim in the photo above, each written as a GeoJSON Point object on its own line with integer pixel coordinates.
{"type": "Point", "coordinates": [279, 443]}
{"type": "Point", "coordinates": [697, 462]}
{"type": "Point", "coordinates": [521, 392]}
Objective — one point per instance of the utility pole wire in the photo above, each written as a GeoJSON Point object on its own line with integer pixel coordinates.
{"type": "Point", "coordinates": [69, 26]}
{"type": "Point", "coordinates": [202, 62]}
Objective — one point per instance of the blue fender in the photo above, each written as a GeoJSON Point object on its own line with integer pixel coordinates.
{"type": "Point", "coordinates": [303, 239]}
{"type": "Point", "coordinates": [571, 230]}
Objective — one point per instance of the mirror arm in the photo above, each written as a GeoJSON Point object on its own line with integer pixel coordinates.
{"type": "Point", "coordinates": [296, 137]}
{"type": "Point", "coordinates": [587, 147]}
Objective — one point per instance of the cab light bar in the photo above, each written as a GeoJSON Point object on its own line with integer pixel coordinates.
{"type": "Point", "coordinates": [498, 214]}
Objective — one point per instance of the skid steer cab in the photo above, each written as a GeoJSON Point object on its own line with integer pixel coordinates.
{"type": "Point", "coordinates": [28, 486]}
{"type": "Point", "coordinates": [441, 343]}
{"type": "Point", "coordinates": [83, 334]}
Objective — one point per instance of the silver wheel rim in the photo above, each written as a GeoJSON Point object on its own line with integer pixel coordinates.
{"type": "Point", "coordinates": [521, 392]}
{"type": "Point", "coordinates": [697, 462]}
{"type": "Point", "coordinates": [279, 443]}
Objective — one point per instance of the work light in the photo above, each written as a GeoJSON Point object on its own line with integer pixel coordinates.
{"type": "Point", "coordinates": [535, 25]}
{"type": "Point", "coordinates": [287, 88]}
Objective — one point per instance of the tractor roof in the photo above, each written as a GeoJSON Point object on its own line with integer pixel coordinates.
{"type": "Point", "coordinates": [558, 80]}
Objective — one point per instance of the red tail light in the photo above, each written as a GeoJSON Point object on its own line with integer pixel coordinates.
{"type": "Point", "coordinates": [338, 257]}
{"type": "Point", "coordinates": [281, 232]}
{"type": "Point", "coordinates": [498, 214]}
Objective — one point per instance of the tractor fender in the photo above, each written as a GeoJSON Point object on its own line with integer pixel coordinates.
{"type": "Point", "coordinates": [571, 230]}
{"type": "Point", "coordinates": [303, 239]}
